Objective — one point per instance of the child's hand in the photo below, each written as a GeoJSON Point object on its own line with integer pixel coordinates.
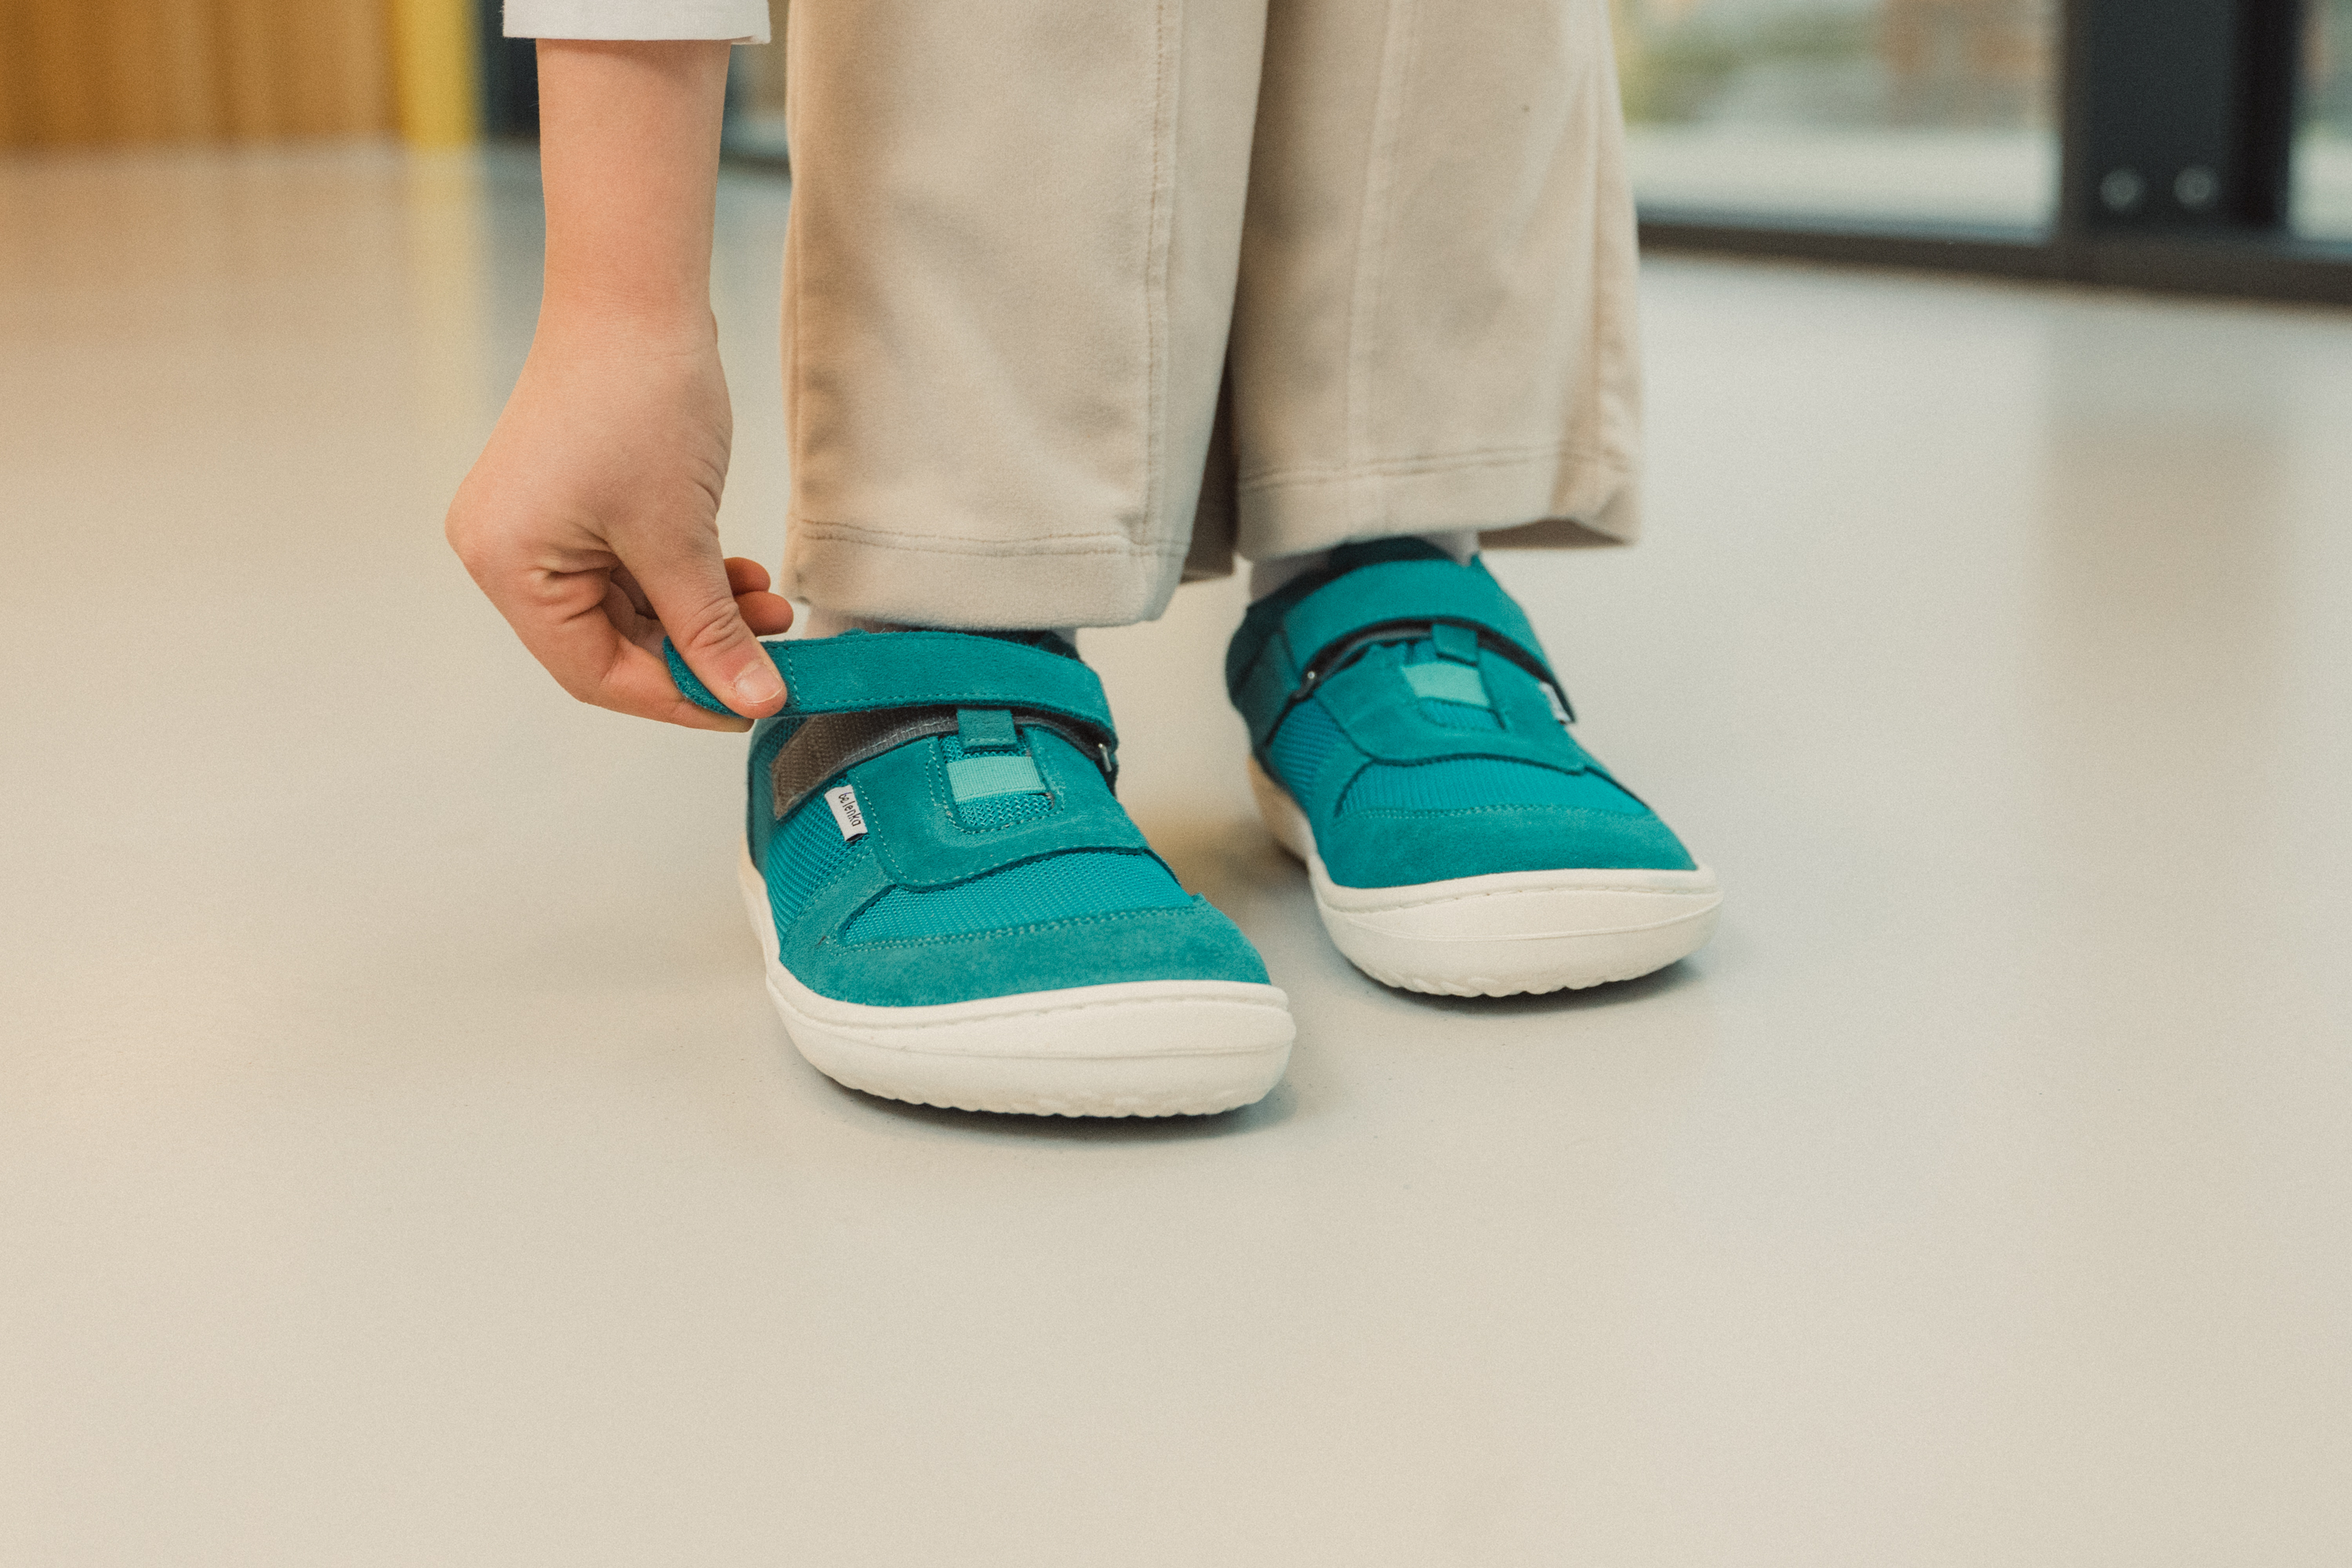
{"type": "Point", "coordinates": [592, 521]}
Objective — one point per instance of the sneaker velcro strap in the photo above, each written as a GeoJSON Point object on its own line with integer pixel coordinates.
{"type": "Point", "coordinates": [1405, 592]}
{"type": "Point", "coordinates": [1384, 602]}
{"type": "Point", "coordinates": [864, 672]}
{"type": "Point", "coordinates": [825, 746]}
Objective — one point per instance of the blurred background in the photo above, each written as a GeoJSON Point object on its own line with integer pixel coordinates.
{"type": "Point", "coordinates": [432, 73]}
{"type": "Point", "coordinates": [401, 1165]}
{"type": "Point", "coordinates": [1945, 110]}
{"type": "Point", "coordinates": [1863, 114]}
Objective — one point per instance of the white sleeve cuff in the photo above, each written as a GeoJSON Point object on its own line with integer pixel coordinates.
{"type": "Point", "coordinates": [736, 21]}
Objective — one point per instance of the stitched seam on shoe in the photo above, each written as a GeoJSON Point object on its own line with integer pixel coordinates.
{"type": "Point", "coordinates": [815, 894]}
{"type": "Point", "coordinates": [1478, 810]}
{"type": "Point", "coordinates": [1169, 910]}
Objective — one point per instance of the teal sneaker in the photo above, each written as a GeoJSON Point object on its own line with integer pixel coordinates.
{"type": "Point", "coordinates": [956, 910]}
{"type": "Point", "coordinates": [1410, 743]}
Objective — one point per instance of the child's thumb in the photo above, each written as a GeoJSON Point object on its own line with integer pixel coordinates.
{"type": "Point", "coordinates": [697, 610]}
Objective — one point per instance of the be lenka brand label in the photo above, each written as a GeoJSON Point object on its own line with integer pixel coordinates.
{"type": "Point", "coordinates": [846, 815]}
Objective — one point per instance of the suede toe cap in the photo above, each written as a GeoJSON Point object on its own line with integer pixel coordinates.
{"type": "Point", "coordinates": [1380, 849]}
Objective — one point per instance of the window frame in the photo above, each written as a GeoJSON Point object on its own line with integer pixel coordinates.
{"type": "Point", "coordinates": [2126, 67]}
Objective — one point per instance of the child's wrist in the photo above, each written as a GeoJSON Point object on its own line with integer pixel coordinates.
{"type": "Point", "coordinates": [640, 319]}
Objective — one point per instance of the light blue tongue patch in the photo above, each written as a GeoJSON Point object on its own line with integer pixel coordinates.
{"type": "Point", "coordinates": [987, 760]}
{"type": "Point", "coordinates": [1443, 680]}
{"type": "Point", "coordinates": [994, 782]}
{"type": "Point", "coordinates": [992, 773]}
{"type": "Point", "coordinates": [1442, 670]}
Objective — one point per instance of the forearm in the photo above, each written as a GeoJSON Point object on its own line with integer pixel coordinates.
{"type": "Point", "coordinates": [629, 161]}
{"type": "Point", "coordinates": [592, 518]}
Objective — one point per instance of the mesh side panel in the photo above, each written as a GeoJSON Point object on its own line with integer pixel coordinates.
{"type": "Point", "coordinates": [1002, 810]}
{"type": "Point", "coordinates": [1458, 783]}
{"type": "Point", "coordinates": [1300, 747]}
{"type": "Point", "coordinates": [806, 850]}
{"type": "Point", "coordinates": [1084, 882]}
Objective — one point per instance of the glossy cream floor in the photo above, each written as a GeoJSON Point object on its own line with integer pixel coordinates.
{"type": "Point", "coordinates": [400, 1164]}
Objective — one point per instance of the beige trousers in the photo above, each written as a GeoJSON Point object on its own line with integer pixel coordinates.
{"type": "Point", "coordinates": [1084, 297]}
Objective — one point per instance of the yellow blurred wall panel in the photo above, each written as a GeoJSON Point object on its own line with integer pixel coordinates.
{"type": "Point", "coordinates": [435, 73]}
{"type": "Point", "coordinates": [98, 73]}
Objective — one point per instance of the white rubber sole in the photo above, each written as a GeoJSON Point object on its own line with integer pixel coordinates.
{"type": "Point", "coordinates": [1147, 1048]}
{"type": "Point", "coordinates": [1506, 934]}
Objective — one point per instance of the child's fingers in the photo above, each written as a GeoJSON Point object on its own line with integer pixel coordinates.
{"type": "Point", "coordinates": [589, 657]}
{"type": "Point", "coordinates": [627, 587]}
{"type": "Point", "coordinates": [638, 682]}
{"type": "Point", "coordinates": [688, 585]}
{"type": "Point", "coordinates": [766, 614]}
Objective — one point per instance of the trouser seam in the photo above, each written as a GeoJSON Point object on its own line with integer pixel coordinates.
{"type": "Point", "coordinates": [1109, 543]}
{"type": "Point", "coordinates": [1167, 80]}
{"type": "Point", "coordinates": [1372, 226]}
{"type": "Point", "coordinates": [1477, 458]}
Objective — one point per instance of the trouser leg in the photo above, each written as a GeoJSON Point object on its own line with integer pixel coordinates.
{"type": "Point", "coordinates": [1435, 321]}
{"type": "Point", "coordinates": [1009, 281]}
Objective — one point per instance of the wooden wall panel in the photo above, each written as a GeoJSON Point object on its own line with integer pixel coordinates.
{"type": "Point", "coordinates": [63, 80]}
{"type": "Point", "coordinates": [184, 82]}
{"type": "Point", "coordinates": [157, 57]}
{"type": "Point", "coordinates": [252, 85]}
{"type": "Point", "coordinates": [340, 69]}
{"type": "Point", "coordinates": [99, 72]}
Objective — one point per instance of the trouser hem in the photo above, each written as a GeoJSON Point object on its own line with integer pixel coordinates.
{"type": "Point", "coordinates": [1000, 584]}
{"type": "Point", "coordinates": [1555, 496]}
